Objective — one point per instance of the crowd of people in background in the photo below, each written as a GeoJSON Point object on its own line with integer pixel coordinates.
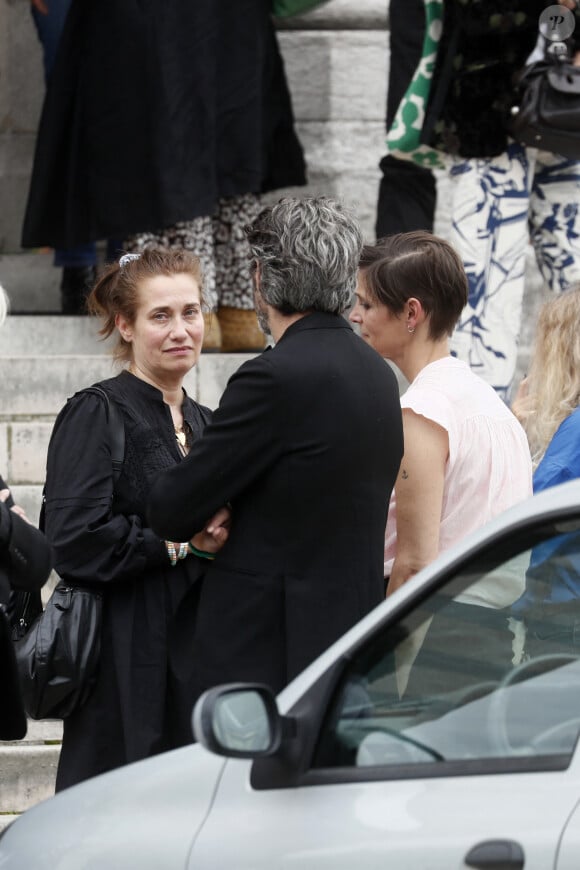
{"type": "Point", "coordinates": [238, 544]}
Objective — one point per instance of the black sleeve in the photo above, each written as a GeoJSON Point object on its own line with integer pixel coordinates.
{"type": "Point", "coordinates": [24, 551]}
{"type": "Point", "coordinates": [90, 543]}
{"type": "Point", "coordinates": [235, 448]}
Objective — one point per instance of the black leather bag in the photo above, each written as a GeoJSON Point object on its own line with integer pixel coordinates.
{"type": "Point", "coordinates": [58, 653]}
{"type": "Point", "coordinates": [58, 657]}
{"type": "Point", "coordinates": [546, 113]}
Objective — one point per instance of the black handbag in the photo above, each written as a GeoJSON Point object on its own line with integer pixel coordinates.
{"type": "Point", "coordinates": [58, 654]}
{"type": "Point", "coordinates": [546, 112]}
{"type": "Point", "coordinates": [58, 657]}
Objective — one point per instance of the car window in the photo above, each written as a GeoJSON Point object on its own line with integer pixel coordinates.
{"type": "Point", "coordinates": [484, 670]}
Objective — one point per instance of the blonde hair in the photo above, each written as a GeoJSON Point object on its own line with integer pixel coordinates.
{"type": "Point", "coordinates": [4, 305]}
{"type": "Point", "coordinates": [554, 378]}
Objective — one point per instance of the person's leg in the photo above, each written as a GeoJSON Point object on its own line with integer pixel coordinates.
{"type": "Point", "coordinates": [407, 192]}
{"type": "Point", "coordinates": [238, 322]}
{"type": "Point", "coordinates": [407, 198]}
{"type": "Point", "coordinates": [490, 232]}
{"type": "Point", "coordinates": [79, 263]}
{"type": "Point", "coordinates": [555, 219]}
{"type": "Point", "coordinates": [49, 28]}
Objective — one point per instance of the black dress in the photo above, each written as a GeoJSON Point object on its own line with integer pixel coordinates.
{"type": "Point", "coordinates": [154, 112]}
{"type": "Point", "coordinates": [142, 700]}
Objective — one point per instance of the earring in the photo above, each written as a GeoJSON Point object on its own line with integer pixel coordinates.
{"type": "Point", "coordinates": [410, 329]}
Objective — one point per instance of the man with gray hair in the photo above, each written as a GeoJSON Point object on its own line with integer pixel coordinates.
{"type": "Point", "coordinates": [305, 448]}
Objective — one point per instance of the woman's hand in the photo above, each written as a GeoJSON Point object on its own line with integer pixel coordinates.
{"type": "Point", "coordinates": [215, 533]}
{"type": "Point", "coordinates": [4, 496]}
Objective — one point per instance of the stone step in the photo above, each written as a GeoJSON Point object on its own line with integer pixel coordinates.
{"type": "Point", "coordinates": [6, 819]}
{"type": "Point", "coordinates": [339, 15]}
{"type": "Point", "coordinates": [38, 386]}
{"type": "Point", "coordinates": [51, 335]}
{"type": "Point", "coordinates": [28, 774]}
{"type": "Point", "coordinates": [29, 278]}
{"type": "Point", "coordinates": [43, 731]}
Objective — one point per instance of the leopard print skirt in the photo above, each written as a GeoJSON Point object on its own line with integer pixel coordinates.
{"type": "Point", "coordinates": [220, 243]}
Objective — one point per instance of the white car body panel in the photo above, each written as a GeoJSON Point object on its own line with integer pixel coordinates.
{"type": "Point", "coordinates": [142, 816]}
{"type": "Point", "coordinates": [420, 824]}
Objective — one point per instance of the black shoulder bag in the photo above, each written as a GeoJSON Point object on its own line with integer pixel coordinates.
{"type": "Point", "coordinates": [546, 112]}
{"type": "Point", "coordinates": [58, 649]}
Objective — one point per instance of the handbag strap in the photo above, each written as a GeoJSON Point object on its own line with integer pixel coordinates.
{"type": "Point", "coordinates": [116, 426]}
{"type": "Point", "coordinates": [116, 430]}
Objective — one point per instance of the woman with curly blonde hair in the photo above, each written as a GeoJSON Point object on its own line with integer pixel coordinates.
{"type": "Point", "coordinates": [548, 406]}
{"type": "Point", "coordinates": [547, 403]}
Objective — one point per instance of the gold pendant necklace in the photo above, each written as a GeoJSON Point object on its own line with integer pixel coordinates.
{"type": "Point", "coordinates": [180, 435]}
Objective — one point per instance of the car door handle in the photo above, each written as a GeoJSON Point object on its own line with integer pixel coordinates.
{"type": "Point", "coordinates": [496, 855]}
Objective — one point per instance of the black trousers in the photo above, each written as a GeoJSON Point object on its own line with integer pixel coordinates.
{"type": "Point", "coordinates": [407, 192]}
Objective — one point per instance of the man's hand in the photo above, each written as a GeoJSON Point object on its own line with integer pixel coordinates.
{"type": "Point", "coordinates": [216, 532]}
{"type": "Point", "coordinates": [41, 6]}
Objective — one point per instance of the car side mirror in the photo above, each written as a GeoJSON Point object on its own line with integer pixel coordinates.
{"type": "Point", "coordinates": [238, 720]}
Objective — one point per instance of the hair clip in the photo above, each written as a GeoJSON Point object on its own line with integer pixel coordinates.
{"type": "Point", "coordinates": [128, 258]}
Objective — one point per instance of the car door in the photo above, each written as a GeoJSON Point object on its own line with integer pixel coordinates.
{"type": "Point", "coordinates": [444, 738]}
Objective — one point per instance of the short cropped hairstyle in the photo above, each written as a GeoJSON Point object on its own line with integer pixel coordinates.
{"type": "Point", "coordinates": [4, 305]}
{"type": "Point", "coordinates": [117, 289]}
{"type": "Point", "coordinates": [307, 251]}
{"type": "Point", "coordinates": [419, 265]}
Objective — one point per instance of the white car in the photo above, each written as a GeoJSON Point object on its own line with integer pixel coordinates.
{"type": "Point", "coordinates": [440, 732]}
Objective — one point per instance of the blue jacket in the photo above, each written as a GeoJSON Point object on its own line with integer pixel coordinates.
{"type": "Point", "coordinates": [561, 462]}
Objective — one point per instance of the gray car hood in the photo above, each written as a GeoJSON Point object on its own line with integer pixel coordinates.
{"type": "Point", "coordinates": [145, 816]}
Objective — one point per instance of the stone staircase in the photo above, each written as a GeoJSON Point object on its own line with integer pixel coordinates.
{"type": "Point", "coordinates": [28, 769]}
{"type": "Point", "coordinates": [43, 360]}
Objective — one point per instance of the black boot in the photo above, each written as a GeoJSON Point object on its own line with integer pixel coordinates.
{"type": "Point", "coordinates": [75, 286]}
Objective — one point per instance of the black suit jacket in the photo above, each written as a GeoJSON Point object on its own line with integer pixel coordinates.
{"type": "Point", "coordinates": [305, 445]}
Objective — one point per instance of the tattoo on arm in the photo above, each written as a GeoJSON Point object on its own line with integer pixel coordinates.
{"type": "Point", "coordinates": [404, 474]}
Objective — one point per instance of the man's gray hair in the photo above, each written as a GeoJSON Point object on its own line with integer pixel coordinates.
{"type": "Point", "coordinates": [4, 305]}
{"type": "Point", "coordinates": [308, 252]}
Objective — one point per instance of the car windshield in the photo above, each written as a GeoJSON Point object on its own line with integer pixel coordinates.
{"type": "Point", "coordinates": [486, 668]}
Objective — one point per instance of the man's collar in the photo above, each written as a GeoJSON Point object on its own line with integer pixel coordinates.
{"type": "Point", "coordinates": [317, 320]}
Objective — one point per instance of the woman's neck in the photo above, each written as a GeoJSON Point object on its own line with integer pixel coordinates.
{"type": "Point", "coordinates": [172, 389]}
{"type": "Point", "coordinates": [419, 355]}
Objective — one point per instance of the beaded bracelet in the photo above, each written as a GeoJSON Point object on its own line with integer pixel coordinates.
{"type": "Point", "coordinates": [201, 553]}
{"type": "Point", "coordinates": [171, 552]}
{"type": "Point", "coordinates": [175, 555]}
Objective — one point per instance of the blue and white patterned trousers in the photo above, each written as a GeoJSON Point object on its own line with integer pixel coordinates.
{"type": "Point", "coordinates": [500, 204]}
